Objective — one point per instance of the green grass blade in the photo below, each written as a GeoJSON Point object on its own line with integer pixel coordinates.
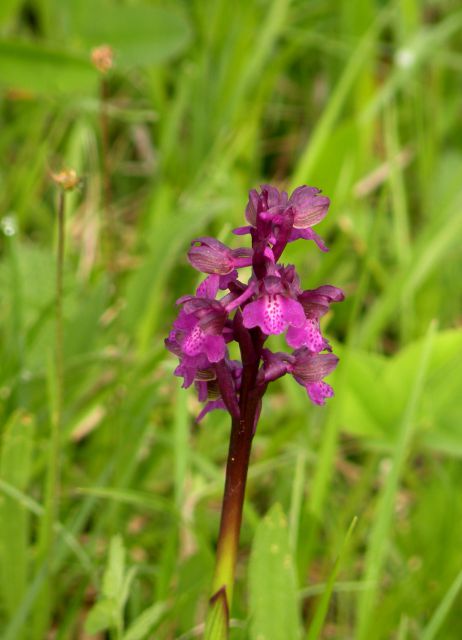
{"type": "Point", "coordinates": [403, 628]}
{"type": "Point", "coordinates": [324, 128]}
{"type": "Point", "coordinates": [429, 252]}
{"type": "Point", "coordinates": [432, 629]}
{"type": "Point", "coordinates": [34, 507]}
{"type": "Point", "coordinates": [296, 502]}
{"type": "Point", "coordinates": [180, 445]}
{"type": "Point", "coordinates": [377, 549]}
{"type": "Point", "coordinates": [316, 625]}
{"type": "Point", "coordinates": [146, 622]}
{"type": "Point", "coordinates": [17, 445]}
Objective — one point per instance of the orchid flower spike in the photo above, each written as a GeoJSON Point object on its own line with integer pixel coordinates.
{"type": "Point", "coordinates": [272, 302]}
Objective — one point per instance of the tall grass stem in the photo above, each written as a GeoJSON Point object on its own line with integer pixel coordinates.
{"type": "Point", "coordinates": [109, 232]}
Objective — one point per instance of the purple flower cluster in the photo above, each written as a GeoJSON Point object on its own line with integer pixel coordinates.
{"type": "Point", "coordinates": [272, 302]}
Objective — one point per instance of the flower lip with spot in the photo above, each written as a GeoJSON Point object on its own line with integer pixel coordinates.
{"type": "Point", "coordinates": [212, 256]}
{"type": "Point", "coordinates": [198, 342]}
{"type": "Point", "coordinates": [319, 391]}
{"type": "Point", "coordinates": [315, 303]}
{"type": "Point", "coordinates": [197, 336]}
{"type": "Point", "coordinates": [272, 311]}
{"type": "Point", "coordinates": [309, 335]}
{"type": "Point", "coordinates": [210, 314]}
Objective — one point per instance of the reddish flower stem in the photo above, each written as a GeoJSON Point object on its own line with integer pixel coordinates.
{"type": "Point", "coordinates": [240, 445]}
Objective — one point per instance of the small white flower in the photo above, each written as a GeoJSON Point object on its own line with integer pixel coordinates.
{"type": "Point", "coordinates": [405, 58]}
{"type": "Point", "coordinates": [9, 225]}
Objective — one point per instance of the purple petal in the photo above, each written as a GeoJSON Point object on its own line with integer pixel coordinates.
{"type": "Point", "coordinates": [273, 284]}
{"type": "Point", "coordinates": [242, 257]}
{"type": "Point", "coordinates": [253, 314]}
{"type": "Point", "coordinates": [307, 234]}
{"type": "Point", "coordinates": [227, 279]}
{"type": "Point", "coordinates": [209, 287]}
{"type": "Point", "coordinates": [209, 314]}
{"type": "Point", "coordinates": [187, 373]}
{"type": "Point", "coordinates": [315, 302]}
{"type": "Point", "coordinates": [211, 256]}
{"type": "Point", "coordinates": [214, 347]}
{"type": "Point", "coordinates": [210, 406]}
{"type": "Point", "coordinates": [252, 207]}
{"type": "Point", "coordinates": [311, 367]}
{"type": "Point", "coordinates": [184, 321]}
{"type": "Point", "coordinates": [242, 231]}
{"type": "Point", "coordinates": [334, 294]}
{"type": "Point", "coordinates": [275, 365]}
{"type": "Point", "coordinates": [293, 312]}
{"type": "Point", "coordinates": [290, 279]}
{"type": "Point", "coordinates": [319, 391]}
{"type": "Point", "coordinates": [308, 336]}
{"type": "Point", "coordinates": [276, 200]}
{"type": "Point", "coordinates": [172, 343]}
{"type": "Point", "coordinates": [245, 295]}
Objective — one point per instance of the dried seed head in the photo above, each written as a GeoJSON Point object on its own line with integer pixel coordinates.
{"type": "Point", "coordinates": [67, 179]}
{"type": "Point", "coordinates": [103, 58]}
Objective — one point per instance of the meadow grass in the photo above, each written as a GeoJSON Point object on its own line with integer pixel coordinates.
{"type": "Point", "coordinates": [206, 100]}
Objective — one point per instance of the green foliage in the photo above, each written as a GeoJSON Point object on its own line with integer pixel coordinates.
{"type": "Point", "coordinates": [145, 623]}
{"type": "Point", "coordinates": [315, 628]}
{"type": "Point", "coordinates": [389, 381]}
{"type": "Point", "coordinates": [206, 100]}
{"type": "Point", "coordinates": [107, 613]}
{"type": "Point", "coordinates": [30, 67]}
{"type": "Point", "coordinates": [273, 601]}
{"type": "Point", "coordinates": [139, 34]}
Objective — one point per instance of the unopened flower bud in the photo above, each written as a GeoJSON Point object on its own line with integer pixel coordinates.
{"type": "Point", "coordinates": [309, 207]}
{"type": "Point", "coordinates": [212, 256]}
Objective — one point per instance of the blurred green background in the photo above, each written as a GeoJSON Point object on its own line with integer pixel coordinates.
{"type": "Point", "coordinates": [206, 99]}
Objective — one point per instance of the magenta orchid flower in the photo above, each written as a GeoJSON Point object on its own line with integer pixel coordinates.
{"type": "Point", "coordinates": [271, 303]}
